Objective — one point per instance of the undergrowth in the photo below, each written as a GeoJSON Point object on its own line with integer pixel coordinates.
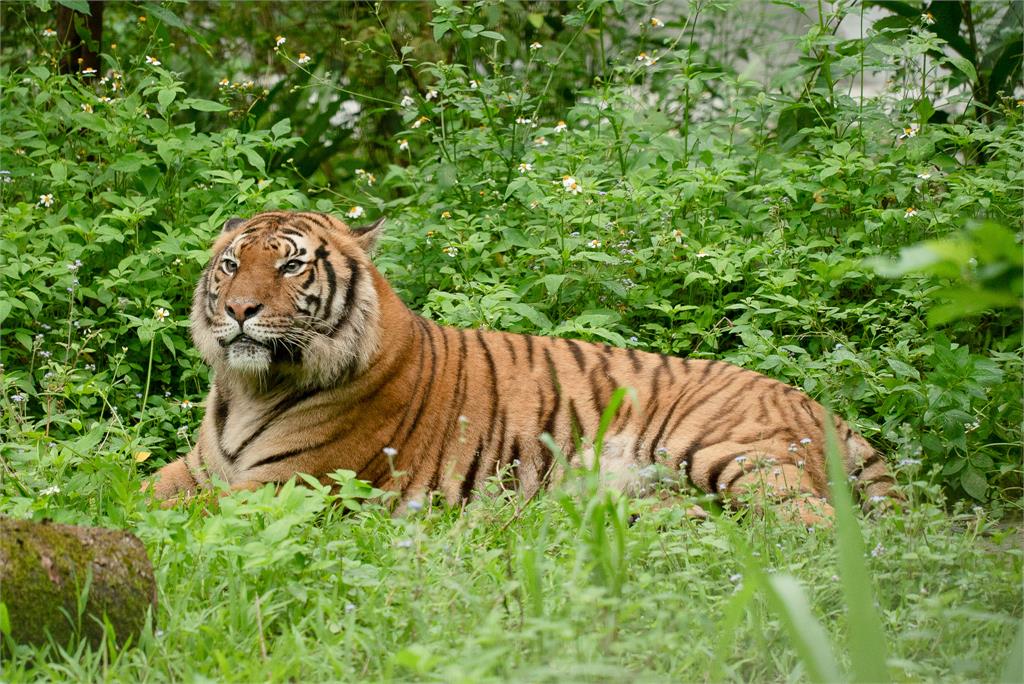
{"type": "Point", "coordinates": [606, 172]}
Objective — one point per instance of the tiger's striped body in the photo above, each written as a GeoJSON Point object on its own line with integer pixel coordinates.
{"type": "Point", "coordinates": [326, 368]}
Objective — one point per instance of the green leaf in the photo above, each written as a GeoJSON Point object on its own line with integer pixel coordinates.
{"type": "Point", "coordinates": [281, 128]}
{"type": "Point", "coordinates": [493, 35]}
{"type": "Point", "coordinates": [964, 66]}
{"type": "Point", "coordinates": [974, 483]}
{"type": "Point", "coordinates": [165, 97]}
{"type": "Point", "coordinates": [201, 105]}
{"type": "Point", "coordinates": [904, 370]}
{"type": "Point", "coordinates": [77, 5]}
{"type": "Point", "coordinates": [441, 28]}
{"type": "Point", "coordinates": [255, 159]}
{"type": "Point", "coordinates": [59, 171]}
{"type": "Point", "coordinates": [164, 15]}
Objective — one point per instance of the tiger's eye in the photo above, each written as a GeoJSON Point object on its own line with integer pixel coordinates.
{"type": "Point", "coordinates": [228, 265]}
{"type": "Point", "coordinates": [292, 266]}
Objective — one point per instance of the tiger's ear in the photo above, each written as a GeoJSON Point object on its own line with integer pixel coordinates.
{"type": "Point", "coordinates": [366, 236]}
{"type": "Point", "coordinates": [231, 224]}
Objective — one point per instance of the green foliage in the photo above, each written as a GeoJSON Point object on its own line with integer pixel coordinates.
{"type": "Point", "coordinates": [606, 171]}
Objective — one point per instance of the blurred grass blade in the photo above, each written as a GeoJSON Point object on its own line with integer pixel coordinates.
{"type": "Point", "coordinates": [1013, 666]}
{"type": "Point", "coordinates": [788, 599]}
{"type": "Point", "coordinates": [866, 638]}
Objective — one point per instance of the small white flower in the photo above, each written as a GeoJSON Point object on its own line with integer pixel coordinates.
{"type": "Point", "coordinates": [304, 58]}
{"type": "Point", "coordinates": [431, 95]}
{"type": "Point", "coordinates": [420, 121]}
{"type": "Point", "coordinates": [655, 22]}
{"type": "Point", "coordinates": [223, 83]}
{"type": "Point", "coordinates": [161, 314]}
{"type": "Point", "coordinates": [185, 405]}
{"type": "Point", "coordinates": [924, 176]}
{"type": "Point", "coordinates": [17, 398]}
{"type": "Point", "coordinates": [735, 578]}
{"type": "Point", "coordinates": [88, 71]}
{"type": "Point", "coordinates": [540, 141]}
{"type": "Point", "coordinates": [105, 100]}
{"type": "Point", "coordinates": [152, 61]}
{"type": "Point", "coordinates": [403, 145]}
{"type": "Point", "coordinates": [390, 452]}
{"type": "Point", "coordinates": [404, 543]}
{"type": "Point", "coordinates": [910, 212]}
{"type": "Point", "coordinates": [355, 212]}
{"type": "Point", "coordinates": [878, 550]}
{"type": "Point", "coordinates": [805, 441]}
{"type": "Point", "coordinates": [535, 45]}
{"type": "Point", "coordinates": [279, 41]}
{"type": "Point", "coordinates": [473, 85]}
{"type": "Point", "coordinates": [414, 505]}
{"type": "Point", "coordinates": [525, 167]}
{"type": "Point", "coordinates": [646, 59]}
{"type": "Point", "coordinates": [407, 101]}
{"type": "Point", "coordinates": [87, 108]}
{"type": "Point", "coordinates": [570, 185]}
{"type": "Point", "coordinates": [928, 18]}
{"type": "Point", "coordinates": [909, 131]}
{"type": "Point", "coordinates": [561, 127]}
{"type": "Point", "coordinates": [909, 462]}
{"type": "Point", "coordinates": [446, 215]}
{"type": "Point", "coordinates": [877, 498]}
{"type": "Point", "coordinates": [463, 420]}
{"type": "Point", "coordinates": [523, 121]}
{"type": "Point", "coordinates": [54, 489]}
{"type": "Point", "coordinates": [46, 200]}
{"type": "Point", "coordinates": [49, 33]}
{"type": "Point", "coordinates": [594, 244]}
{"type": "Point", "coordinates": [701, 255]}
{"type": "Point", "coordinates": [451, 250]}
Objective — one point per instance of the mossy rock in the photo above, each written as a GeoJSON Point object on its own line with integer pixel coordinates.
{"type": "Point", "coordinates": [44, 567]}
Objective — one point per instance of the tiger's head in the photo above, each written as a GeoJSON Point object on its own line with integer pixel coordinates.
{"type": "Point", "coordinates": [289, 296]}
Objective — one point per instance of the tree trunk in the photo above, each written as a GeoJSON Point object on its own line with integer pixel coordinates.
{"type": "Point", "coordinates": [80, 54]}
{"type": "Point", "coordinates": [65, 581]}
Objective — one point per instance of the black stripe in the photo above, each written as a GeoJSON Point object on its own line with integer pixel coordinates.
{"type": "Point", "coordinates": [272, 415]}
{"type": "Point", "coordinates": [346, 305]}
{"type": "Point", "coordinates": [552, 417]}
{"type": "Point", "coordinates": [430, 384]}
{"type": "Point", "coordinates": [291, 453]}
{"type": "Point", "coordinates": [634, 357]}
{"type": "Point", "coordinates": [576, 425]}
{"type": "Point", "coordinates": [332, 278]}
{"type": "Point", "coordinates": [494, 376]}
{"type": "Point", "coordinates": [470, 477]}
{"type": "Point", "coordinates": [664, 423]}
{"type": "Point", "coordinates": [687, 458]}
{"type": "Point", "coordinates": [510, 342]}
{"type": "Point", "coordinates": [417, 330]}
{"type": "Point", "coordinates": [577, 353]}
{"type": "Point", "coordinates": [718, 467]}
{"type": "Point", "coordinates": [529, 349]}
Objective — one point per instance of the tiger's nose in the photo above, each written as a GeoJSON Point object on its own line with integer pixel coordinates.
{"type": "Point", "coordinates": [242, 311]}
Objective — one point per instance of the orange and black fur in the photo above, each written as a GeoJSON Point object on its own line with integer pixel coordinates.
{"type": "Point", "coordinates": [319, 366]}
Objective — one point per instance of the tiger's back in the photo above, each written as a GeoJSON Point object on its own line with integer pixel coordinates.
{"type": "Point", "coordinates": [416, 407]}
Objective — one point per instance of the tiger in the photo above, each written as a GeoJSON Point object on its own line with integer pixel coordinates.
{"type": "Point", "coordinates": [317, 365]}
